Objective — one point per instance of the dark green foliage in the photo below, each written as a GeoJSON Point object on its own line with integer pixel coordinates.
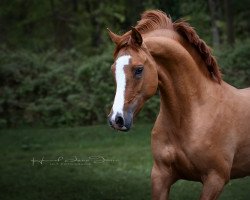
{"type": "Point", "coordinates": [235, 64]}
{"type": "Point", "coordinates": [54, 89]}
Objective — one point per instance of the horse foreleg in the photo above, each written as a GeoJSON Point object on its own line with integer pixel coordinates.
{"type": "Point", "coordinates": [212, 186]}
{"type": "Point", "coordinates": [162, 178]}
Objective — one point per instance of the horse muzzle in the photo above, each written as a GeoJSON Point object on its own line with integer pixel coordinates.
{"type": "Point", "coordinates": [121, 122]}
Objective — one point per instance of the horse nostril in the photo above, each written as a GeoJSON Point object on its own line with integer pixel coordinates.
{"type": "Point", "coordinates": [119, 121]}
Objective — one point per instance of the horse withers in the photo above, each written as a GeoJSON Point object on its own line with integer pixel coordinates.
{"type": "Point", "coordinates": [202, 132]}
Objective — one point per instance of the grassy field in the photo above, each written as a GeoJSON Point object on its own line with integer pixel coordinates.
{"type": "Point", "coordinates": [89, 163]}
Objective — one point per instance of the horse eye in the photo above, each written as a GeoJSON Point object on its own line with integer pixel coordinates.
{"type": "Point", "coordinates": [138, 71]}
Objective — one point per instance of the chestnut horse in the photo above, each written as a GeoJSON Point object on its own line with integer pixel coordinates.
{"type": "Point", "coordinates": [202, 132]}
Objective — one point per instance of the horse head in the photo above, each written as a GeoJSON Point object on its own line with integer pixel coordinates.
{"type": "Point", "coordinates": [136, 78]}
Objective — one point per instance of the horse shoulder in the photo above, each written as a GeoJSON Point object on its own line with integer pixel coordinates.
{"type": "Point", "coordinates": [162, 148]}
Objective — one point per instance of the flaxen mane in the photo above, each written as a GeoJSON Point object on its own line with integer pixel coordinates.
{"type": "Point", "coordinates": [155, 19]}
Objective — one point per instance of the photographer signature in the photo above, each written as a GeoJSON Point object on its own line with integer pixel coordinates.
{"type": "Point", "coordinates": [91, 160]}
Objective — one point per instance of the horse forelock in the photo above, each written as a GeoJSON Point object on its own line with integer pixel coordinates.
{"type": "Point", "coordinates": [155, 19]}
{"type": "Point", "coordinates": [150, 20]}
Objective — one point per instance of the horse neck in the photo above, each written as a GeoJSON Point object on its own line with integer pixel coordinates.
{"type": "Point", "coordinates": [182, 78]}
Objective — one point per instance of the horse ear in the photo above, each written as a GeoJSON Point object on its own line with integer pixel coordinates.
{"type": "Point", "coordinates": [136, 36]}
{"type": "Point", "coordinates": [114, 37]}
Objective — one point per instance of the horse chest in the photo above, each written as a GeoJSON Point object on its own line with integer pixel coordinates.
{"type": "Point", "coordinates": [189, 167]}
{"type": "Point", "coordinates": [186, 159]}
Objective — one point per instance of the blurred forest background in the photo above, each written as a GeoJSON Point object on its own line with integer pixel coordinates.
{"type": "Point", "coordinates": [55, 55]}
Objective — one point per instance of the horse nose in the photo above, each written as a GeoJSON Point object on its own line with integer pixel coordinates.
{"type": "Point", "coordinates": [119, 121]}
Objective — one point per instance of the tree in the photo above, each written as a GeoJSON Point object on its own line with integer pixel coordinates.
{"type": "Point", "coordinates": [229, 22]}
{"type": "Point", "coordinates": [213, 7]}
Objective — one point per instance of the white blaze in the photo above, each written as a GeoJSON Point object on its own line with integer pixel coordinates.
{"type": "Point", "coordinates": [120, 85]}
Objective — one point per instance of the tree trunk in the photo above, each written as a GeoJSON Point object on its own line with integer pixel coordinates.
{"type": "Point", "coordinates": [214, 18]}
{"type": "Point", "coordinates": [229, 22]}
{"type": "Point", "coordinates": [96, 39]}
{"type": "Point", "coordinates": [54, 21]}
{"type": "Point", "coordinates": [75, 5]}
{"type": "Point", "coordinates": [61, 18]}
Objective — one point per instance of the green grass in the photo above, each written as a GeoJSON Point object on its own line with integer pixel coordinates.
{"type": "Point", "coordinates": [125, 176]}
